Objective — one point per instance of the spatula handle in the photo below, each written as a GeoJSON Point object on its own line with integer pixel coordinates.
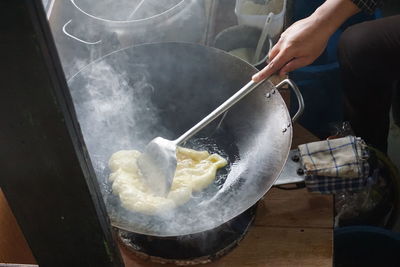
{"type": "Point", "coordinates": [250, 86]}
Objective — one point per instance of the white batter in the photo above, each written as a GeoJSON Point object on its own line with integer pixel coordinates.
{"type": "Point", "coordinates": [195, 171]}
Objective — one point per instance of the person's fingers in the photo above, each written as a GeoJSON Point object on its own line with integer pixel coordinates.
{"type": "Point", "coordinates": [274, 65]}
{"type": "Point", "coordinates": [273, 52]}
{"type": "Point", "coordinates": [293, 65]}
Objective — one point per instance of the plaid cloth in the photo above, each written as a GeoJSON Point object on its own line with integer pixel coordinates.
{"type": "Point", "coordinates": [334, 166]}
{"type": "Point", "coordinates": [340, 157]}
{"type": "Point", "coordinates": [334, 185]}
{"type": "Point", "coordinates": [368, 6]}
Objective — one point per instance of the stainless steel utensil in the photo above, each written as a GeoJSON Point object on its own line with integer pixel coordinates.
{"type": "Point", "coordinates": [158, 160]}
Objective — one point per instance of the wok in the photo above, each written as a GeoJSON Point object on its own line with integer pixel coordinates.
{"type": "Point", "coordinates": [130, 96]}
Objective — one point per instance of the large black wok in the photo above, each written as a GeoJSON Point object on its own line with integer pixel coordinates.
{"type": "Point", "coordinates": [128, 97]}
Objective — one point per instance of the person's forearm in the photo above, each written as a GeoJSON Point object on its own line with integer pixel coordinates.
{"type": "Point", "coordinates": [305, 40]}
{"type": "Point", "coordinates": [332, 13]}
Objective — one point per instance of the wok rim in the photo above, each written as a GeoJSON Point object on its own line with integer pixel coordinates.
{"type": "Point", "coordinates": [289, 131]}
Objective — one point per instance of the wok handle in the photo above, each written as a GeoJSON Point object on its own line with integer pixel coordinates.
{"type": "Point", "coordinates": [299, 97]}
{"type": "Point", "coordinates": [64, 29]}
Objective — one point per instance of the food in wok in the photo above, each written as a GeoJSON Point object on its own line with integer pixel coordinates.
{"type": "Point", "coordinates": [195, 171]}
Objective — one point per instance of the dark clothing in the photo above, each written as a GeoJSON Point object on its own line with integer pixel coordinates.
{"type": "Point", "coordinates": [369, 58]}
{"type": "Point", "coordinates": [368, 6]}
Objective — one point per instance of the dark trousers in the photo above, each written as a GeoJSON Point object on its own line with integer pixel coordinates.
{"type": "Point", "coordinates": [369, 58]}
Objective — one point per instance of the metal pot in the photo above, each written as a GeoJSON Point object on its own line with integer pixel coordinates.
{"type": "Point", "coordinates": [120, 13]}
{"type": "Point", "coordinates": [93, 22]}
{"type": "Point", "coordinates": [130, 96]}
{"type": "Point", "coordinates": [243, 36]}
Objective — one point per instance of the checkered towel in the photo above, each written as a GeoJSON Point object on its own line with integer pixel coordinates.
{"type": "Point", "coordinates": [337, 165]}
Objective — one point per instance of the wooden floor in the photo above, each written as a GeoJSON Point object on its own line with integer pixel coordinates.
{"type": "Point", "coordinates": [13, 246]}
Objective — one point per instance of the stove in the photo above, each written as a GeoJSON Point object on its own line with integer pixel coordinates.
{"type": "Point", "coordinates": [199, 248]}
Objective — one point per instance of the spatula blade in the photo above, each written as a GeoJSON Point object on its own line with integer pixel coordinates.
{"type": "Point", "coordinates": [158, 164]}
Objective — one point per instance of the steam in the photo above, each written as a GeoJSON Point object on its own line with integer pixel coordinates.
{"type": "Point", "coordinates": [121, 104]}
{"type": "Point", "coordinates": [117, 101]}
{"type": "Point", "coordinates": [111, 111]}
{"type": "Point", "coordinates": [115, 112]}
{"type": "Point", "coordinates": [114, 108]}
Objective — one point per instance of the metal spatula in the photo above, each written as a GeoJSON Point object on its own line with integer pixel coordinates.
{"type": "Point", "coordinates": [158, 161]}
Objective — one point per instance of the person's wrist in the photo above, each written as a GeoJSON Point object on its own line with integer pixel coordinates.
{"type": "Point", "coordinates": [333, 13]}
{"type": "Point", "coordinates": [322, 22]}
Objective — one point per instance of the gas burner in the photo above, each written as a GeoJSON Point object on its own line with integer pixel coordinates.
{"type": "Point", "coordinates": [199, 248]}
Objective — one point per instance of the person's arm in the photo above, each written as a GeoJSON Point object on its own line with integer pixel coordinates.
{"type": "Point", "coordinates": [305, 40]}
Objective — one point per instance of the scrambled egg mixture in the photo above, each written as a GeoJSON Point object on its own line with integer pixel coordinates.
{"type": "Point", "coordinates": [195, 171]}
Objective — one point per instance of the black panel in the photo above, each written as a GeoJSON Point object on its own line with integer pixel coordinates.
{"type": "Point", "coordinates": [45, 171]}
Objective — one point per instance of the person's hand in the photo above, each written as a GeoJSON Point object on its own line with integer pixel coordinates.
{"type": "Point", "coordinates": [306, 39]}
{"type": "Point", "coordinates": [297, 47]}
